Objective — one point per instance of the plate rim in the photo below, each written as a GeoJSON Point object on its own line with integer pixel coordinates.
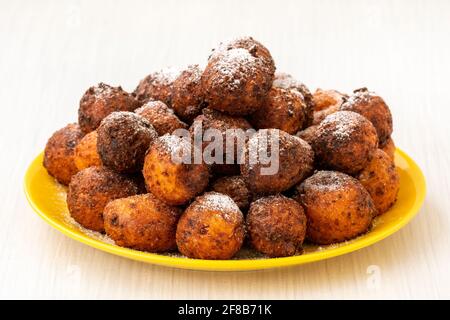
{"type": "Point", "coordinates": [241, 264]}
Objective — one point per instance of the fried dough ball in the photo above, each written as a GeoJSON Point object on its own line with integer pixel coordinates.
{"type": "Point", "coordinates": [123, 139]}
{"type": "Point", "coordinates": [323, 99]}
{"type": "Point", "coordinates": [170, 179]}
{"type": "Point", "coordinates": [212, 227]}
{"type": "Point", "coordinates": [91, 189]}
{"type": "Point", "coordinates": [248, 43]}
{"type": "Point", "coordinates": [142, 222]}
{"type": "Point", "coordinates": [373, 107]}
{"type": "Point", "coordinates": [101, 100]}
{"type": "Point", "coordinates": [157, 86]}
{"type": "Point", "coordinates": [319, 116]}
{"type": "Point", "coordinates": [287, 82]}
{"type": "Point", "coordinates": [235, 188]}
{"type": "Point", "coordinates": [308, 134]}
{"type": "Point", "coordinates": [161, 117]}
{"type": "Point", "coordinates": [381, 180]}
{"type": "Point", "coordinates": [86, 154]}
{"type": "Point", "coordinates": [187, 95]}
{"type": "Point", "coordinates": [59, 153]}
{"type": "Point", "coordinates": [389, 148]}
{"type": "Point", "coordinates": [337, 207]}
{"type": "Point", "coordinates": [282, 109]}
{"type": "Point", "coordinates": [290, 164]}
{"type": "Point", "coordinates": [236, 82]}
{"type": "Point", "coordinates": [276, 226]}
{"type": "Point", "coordinates": [345, 141]}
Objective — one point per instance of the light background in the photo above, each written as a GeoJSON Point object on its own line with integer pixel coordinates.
{"type": "Point", "coordinates": [52, 51]}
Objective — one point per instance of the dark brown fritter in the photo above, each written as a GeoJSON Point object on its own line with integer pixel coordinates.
{"type": "Point", "coordinates": [323, 99]}
{"type": "Point", "coordinates": [308, 134]}
{"type": "Point", "coordinates": [381, 180]}
{"type": "Point", "coordinates": [319, 116]}
{"type": "Point", "coordinates": [91, 190]}
{"type": "Point", "coordinates": [389, 147]}
{"type": "Point", "coordinates": [345, 141]}
{"type": "Point", "coordinates": [235, 188]}
{"type": "Point", "coordinates": [101, 100]}
{"type": "Point", "coordinates": [236, 82]}
{"type": "Point", "coordinates": [337, 207]}
{"type": "Point", "coordinates": [86, 154]}
{"type": "Point", "coordinates": [187, 95]}
{"type": "Point", "coordinates": [174, 182]}
{"type": "Point", "coordinates": [59, 153]}
{"type": "Point", "coordinates": [212, 227]}
{"type": "Point", "coordinates": [157, 86]}
{"type": "Point", "coordinates": [142, 222]}
{"type": "Point", "coordinates": [123, 139]}
{"type": "Point", "coordinates": [294, 161]}
{"type": "Point", "coordinates": [283, 109]}
{"type": "Point", "coordinates": [161, 117]}
{"type": "Point", "coordinates": [287, 82]}
{"type": "Point", "coordinates": [276, 226]}
{"type": "Point", "coordinates": [373, 107]}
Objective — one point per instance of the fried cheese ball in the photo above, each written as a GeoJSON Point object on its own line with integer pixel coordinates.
{"type": "Point", "coordinates": [381, 180]}
{"type": "Point", "coordinates": [337, 207]}
{"type": "Point", "coordinates": [276, 226]}
{"type": "Point", "coordinates": [283, 109]}
{"type": "Point", "coordinates": [308, 134]}
{"type": "Point", "coordinates": [161, 117]}
{"type": "Point", "coordinates": [323, 99]}
{"type": "Point", "coordinates": [157, 86]}
{"type": "Point", "coordinates": [235, 188]}
{"type": "Point", "coordinates": [291, 160]}
{"type": "Point", "coordinates": [373, 107]}
{"type": "Point", "coordinates": [173, 180]}
{"type": "Point", "coordinates": [59, 153]}
{"type": "Point", "coordinates": [345, 141]}
{"type": "Point", "coordinates": [101, 100]}
{"type": "Point", "coordinates": [91, 189]}
{"type": "Point", "coordinates": [142, 222]}
{"type": "Point", "coordinates": [86, 154]}
{"type": "Point", "coordinates": [212, 228]}
{"type": "Point", "coordinates": [123, 139]}
{"type": "Point", "coordinates": [389, 148]}
{"type": "Point", "coordinates": [187, 95]}
{"type": "Point", "coordinates": [319, 116]}
{"type": "Point", "coordinates": [286, 81]}
{"type": "Point", "coordinates": [236, 82]}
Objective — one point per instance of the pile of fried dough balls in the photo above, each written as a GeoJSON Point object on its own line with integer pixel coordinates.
{"type": "Point", "coordinates": [336, 160]}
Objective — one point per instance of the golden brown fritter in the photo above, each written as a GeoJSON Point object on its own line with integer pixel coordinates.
{"type": "Point", "coordinates": [86, 154]}
{"type": "Point", "coordinates": [142, 222]}
{"type": "Point", "coordinates": [161, 117]}
{"type": "Point", "coordinates": [308, 134]}
{"type": "Point", "coordinates": [101, 100]}
{"type": "Point", "coordinates": [389, 148]}
{"type": "Point", "coordinates": [292, 162]}
{"type": "Point", "coordinates": [187, 95]}
{"type": "Point", "coordinates": [236, 82]}
{"type": "Point", "coordinates": [235, 188]}
{"type": "Point", "coordinates": [59, 153]}
{"type": "Point", "coordinates": [323, 99]}
{"type": "Point", "coordinates": [170, 179]}
{"type": "Point", "coordinates": [212, 227]}
{"type": "Point", "coordinates": [319, 116]}
{"type": "Point", "coordinates": [123, 139]}
{"type": "Point", "coordinates": [157, 86]}
{"type": "Point", "coordinates": [373, 107]}
{"type": "Point", "coordinates": [276, 226]}
{"type": "Point", "coordinates": [91, 189]}
{"type": "Point", "coordinates": [345, 141]}
{"type": "Point", "coordinates": [283, 109]}
{"type": "Point", "coordinates": [337, 207]}
{"type": "Point", "coordinates": [381, 180]}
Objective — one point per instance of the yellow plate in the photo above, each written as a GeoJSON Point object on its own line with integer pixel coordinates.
{"type": "Point", "coordinates": [47, 198]}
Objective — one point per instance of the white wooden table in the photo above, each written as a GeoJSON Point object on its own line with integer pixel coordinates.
{"type": "Point", "coordinates": [51, 51]}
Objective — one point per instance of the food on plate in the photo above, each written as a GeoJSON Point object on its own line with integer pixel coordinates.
{"type": "Point", "coordinates": [323, 99]}
{"type": "Point", "coordinates": [86, 154]}
{"type": "Point", "coordinates": [212, 228]}
{"type": "Point", "coordinates": [389, 147]}
{"type": "Point", "coordinates": [59, 153]}
{"type": "Point", "coordinates": [319, 116]}
{"type": "Point", "coordinates": [235, 188]}
{"type": "Point", "coordinates": [157, 86]}
{"type": "Point", "coordinates": [308, 133]}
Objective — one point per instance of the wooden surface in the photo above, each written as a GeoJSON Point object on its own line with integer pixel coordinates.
{"type": "Point", "coordinates": [51, 51]}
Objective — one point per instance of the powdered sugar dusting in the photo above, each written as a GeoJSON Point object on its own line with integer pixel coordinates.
{"type": "Point", "coordinates": [218, 202]}
{"type": "Point", "coordinates": [342, 123]}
